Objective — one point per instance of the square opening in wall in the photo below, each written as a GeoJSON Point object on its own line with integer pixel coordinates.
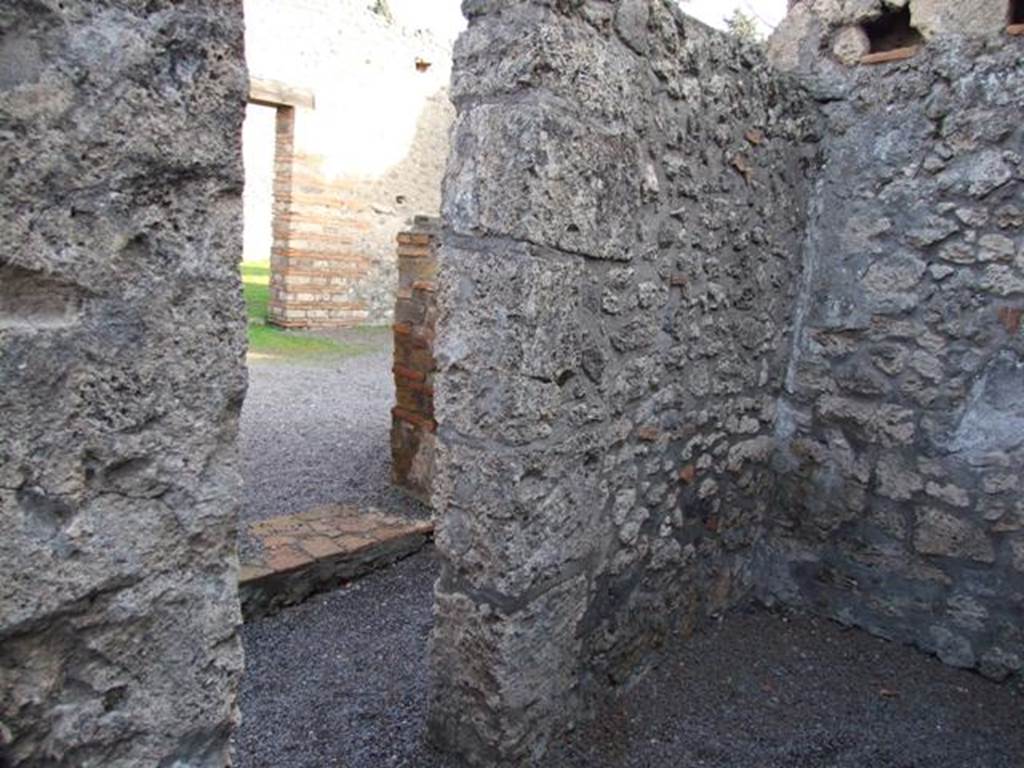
{"type": "Point", "coordinates": [1016, 15]}
{"type": "Point", "coordinates": [892, 31]}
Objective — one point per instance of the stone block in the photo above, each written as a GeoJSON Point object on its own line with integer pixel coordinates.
{"type": "Point", "coordinates": [512, 309]}
{"type": "Point", "coordinates": [555, 59]}
{"type": "Point", "coordinates": [592, 195]}
{"type": "Point", "coordinates": [948, 535]}
{"type": "Point", "coordinates": [515, 522]}
{"type": "Point", "coordinates": [504, 678]}
{"type": "Point", "coordinates": [945, 19]}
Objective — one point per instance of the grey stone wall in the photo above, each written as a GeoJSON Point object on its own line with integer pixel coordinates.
{"type": "Point", "coordinates": [121, 376]}
{"type": "Point", "coordinates": [902, 429]}
{"type": "Point", "coordinates": [624, 212]}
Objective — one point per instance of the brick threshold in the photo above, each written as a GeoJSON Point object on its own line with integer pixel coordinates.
{"type": "Point", "coordinates": [320, 550]}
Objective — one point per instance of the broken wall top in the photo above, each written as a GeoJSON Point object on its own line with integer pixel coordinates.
{"type": "Point", "coordinates": [825, 37]}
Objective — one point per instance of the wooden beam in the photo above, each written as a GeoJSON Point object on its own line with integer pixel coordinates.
{"type": "Point", "coordinates": [1015, 29]}
{"type": "Point", "coordinates": [271, 93]}
{"type": "Point", "coordinates": [897, 54]}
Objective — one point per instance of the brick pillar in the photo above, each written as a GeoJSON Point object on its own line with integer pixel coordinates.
{"type": "Point", "coordinates": [412, 419]}
{"type": "Point", "coordinates": [314, 266]}
{"type": "Point", "coordinates": [284, 162]}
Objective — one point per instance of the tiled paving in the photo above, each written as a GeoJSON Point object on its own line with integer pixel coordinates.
{"type": "Point", "coordinates": [320, 549]}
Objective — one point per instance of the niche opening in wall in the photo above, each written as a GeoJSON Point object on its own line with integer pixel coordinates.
{"type": "Point", "coordinates": [892, 36]}
{"type": "Point", "coordinates": [1015, 18]}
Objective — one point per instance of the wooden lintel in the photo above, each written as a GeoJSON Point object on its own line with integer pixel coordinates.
{"type": "Point", "coordinates": [272, 93]}
{"type": "Point", "coordinates": [897, 54]}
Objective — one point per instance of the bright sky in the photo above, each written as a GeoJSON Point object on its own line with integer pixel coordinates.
{"type": "Point", "coordinates": [767, 13]}
{"type": "Point", "coordinates": [445, 18]}
{"type": "Point", "coordinates": [442, 17]}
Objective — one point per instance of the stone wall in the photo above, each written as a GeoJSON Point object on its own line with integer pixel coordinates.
{"type": "Point", "coordinates": [624, 211]}
{"type": "Point", "coordinates": [368, 157]}
{"type": "Point", "coordinates": [831, 32]}
{"type": "Point", "coordinates": [902, 429]}
{"type": "Point", "coordinates": [702, 334]}
{"type": "Point", "coordinates": [412, 419]}
{"type": "Point", "coordinates": [121, 378]}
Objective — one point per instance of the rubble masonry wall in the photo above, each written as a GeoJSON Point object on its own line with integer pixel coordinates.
{"type": "Point", "coordinates": [901, 433]}
{"type": "Point", "coordinates": [624, 213]}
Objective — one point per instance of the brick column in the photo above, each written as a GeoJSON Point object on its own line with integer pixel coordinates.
{"type": "Point", "coordinates": [314, 264]}
{"type": "Point", "coordinates": [412, 419]}
{"type": "Point", "coordinates": [284, 161]}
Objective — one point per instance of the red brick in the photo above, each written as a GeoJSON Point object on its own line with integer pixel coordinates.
{"type": "Point", "coordinates": [647, 434]}
{"type": "Point", "coordinates": [884, 57]}
{"type": "Point", "coordinates": [414, 418]}
{"type": "Point", "coordinates": [320, 546]}
{"type": "Point", "coordinates": [1011, 317]}
{"type": "Point", "coordinates": [408, 373]}
{"type": "Point", "coordinates": [287, 558]}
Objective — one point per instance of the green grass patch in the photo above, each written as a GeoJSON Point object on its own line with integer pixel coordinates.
{"type": "Point", "coordinates": [268, 342]}
{"type": "Point", "coordinates": [276, 344]}
{"type": "Point", "coordinates": [256, 281]}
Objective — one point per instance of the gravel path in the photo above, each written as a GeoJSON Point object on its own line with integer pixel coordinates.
{"type": "Point", "coordinates": [317, 433]}
{"type": "Point", "coordinates": [341, 681]}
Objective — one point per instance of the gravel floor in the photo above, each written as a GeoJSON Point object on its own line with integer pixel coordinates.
{"type": "Point", "coordinates": [341, 681]}
{"type": "Point", "coordinates": [317, 433]}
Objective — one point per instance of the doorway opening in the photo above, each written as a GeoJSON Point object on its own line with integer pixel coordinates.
{"type": "Point", "coordinates": [345, 144]}
{"type": "Point", "coordinates": [1016, 13]}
